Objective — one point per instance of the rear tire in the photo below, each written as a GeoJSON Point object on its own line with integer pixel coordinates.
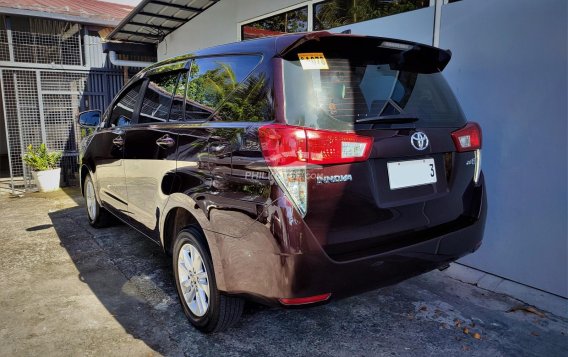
{"type": "Point", "coordinates": [204, 306]}
{"type": "Point", "coordinates": [97, 215]}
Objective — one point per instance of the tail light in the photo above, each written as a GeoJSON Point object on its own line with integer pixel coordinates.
{"type": "Point", "coordinates": [469, 138]}
{"type": "Point", "coordinates": [284, 145]}
{"type": "Point", "coordinates": [289, 149]}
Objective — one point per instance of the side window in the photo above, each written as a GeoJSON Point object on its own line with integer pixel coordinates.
{"type": "Point", "coordinates": [158, 98]}
{"type": "Point", "coordinates": [176, 114]}
{"type": "Point", "coordinates": [123, 111]}
{"type": "Point", "coordinates": [216, 81]}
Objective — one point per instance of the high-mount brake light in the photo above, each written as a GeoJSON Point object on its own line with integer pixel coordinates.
{"type": "Point", "coordinates": [468, 138]}
{"type": "Point", "coordinates": [289, 149]}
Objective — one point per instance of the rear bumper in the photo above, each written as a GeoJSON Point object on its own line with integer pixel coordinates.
{"type": "Point", "coordinates": [264, 267]}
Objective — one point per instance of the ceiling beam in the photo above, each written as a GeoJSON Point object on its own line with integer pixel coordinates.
{"type": "Point", "coordinates": [163, 28]}
{"type": "Point", "coordinates": [160, 16]}
{"type": "Point", "coordinates": [141, 34]}
{"type": "Point", "coordinates": [176, 6]}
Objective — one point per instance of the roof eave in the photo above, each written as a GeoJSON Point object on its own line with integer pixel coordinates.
{"type": "Point", "coordinates": [58, 16]}
{"type": "Point", "coordinates": [144, 37]}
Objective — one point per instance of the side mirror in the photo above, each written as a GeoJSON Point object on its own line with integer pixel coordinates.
{"type": "Point", "coordinates": [90, 118]}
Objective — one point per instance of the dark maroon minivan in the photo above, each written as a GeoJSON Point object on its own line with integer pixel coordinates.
{"type": "Point", "coordinates": [290, 170]}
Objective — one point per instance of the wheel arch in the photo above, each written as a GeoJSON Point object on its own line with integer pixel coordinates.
{"type": "Point", "coordinates": [84, 171]}
{"type": "Point", "coordinates": [180, 212]}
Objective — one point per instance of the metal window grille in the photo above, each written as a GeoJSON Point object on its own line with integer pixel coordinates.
{"type": "Point", "coordinates": [45, 48]}
{"type": "Point", "coordinates": [40, 106]}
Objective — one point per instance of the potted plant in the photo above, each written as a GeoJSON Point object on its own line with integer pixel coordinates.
{"type": "Point", "coordinates": [45, 171]}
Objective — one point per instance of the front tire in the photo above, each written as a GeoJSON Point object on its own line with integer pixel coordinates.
{"type": "Point", "coordinates": [98, 216]}
{"type": "Point", "coordinates": [207, 309]}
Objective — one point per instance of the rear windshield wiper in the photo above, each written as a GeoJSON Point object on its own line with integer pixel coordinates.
{"type": "Point", "coordinates": [389, 119]}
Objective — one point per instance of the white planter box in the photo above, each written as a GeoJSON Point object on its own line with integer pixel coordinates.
{"type": "Point", "coordinates": [47, 180]}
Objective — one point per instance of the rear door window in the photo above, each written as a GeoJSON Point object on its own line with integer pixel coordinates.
{"type": "Point", "coordinates": [177, 111]}
{"type": "Point", "coordinates": [158, 97]}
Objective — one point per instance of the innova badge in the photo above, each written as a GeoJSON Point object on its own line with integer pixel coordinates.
{"type": "Point", "coordinates": [419, 140]}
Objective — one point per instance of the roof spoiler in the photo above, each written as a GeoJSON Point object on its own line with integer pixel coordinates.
{"type": "Point", "coordinates": [420, 58]}
{"type": "Point", "coordinates": [406, 55]}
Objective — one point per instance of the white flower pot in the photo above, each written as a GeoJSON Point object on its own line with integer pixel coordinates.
{"type": "Point", "coordinates": [47, 180]}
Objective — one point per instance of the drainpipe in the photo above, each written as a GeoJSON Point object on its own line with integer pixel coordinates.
{"type": "Point", "coordinates": [113, 57]}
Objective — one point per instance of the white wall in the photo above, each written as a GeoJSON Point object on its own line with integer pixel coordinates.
{"type": "Point", "coordinates": [217, 25]}
{"type": "Point", "coordinates": [509, 73]}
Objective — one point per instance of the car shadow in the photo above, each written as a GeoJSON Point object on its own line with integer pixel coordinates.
{"type": "Point", "coordinates": [132, 277]}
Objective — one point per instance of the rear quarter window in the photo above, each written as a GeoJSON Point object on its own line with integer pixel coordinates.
{"type": "Point", "coordinates": [226, 88]}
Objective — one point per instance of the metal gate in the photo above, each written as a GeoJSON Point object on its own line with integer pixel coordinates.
{"type": "Point", "coordinates": [40, 106]}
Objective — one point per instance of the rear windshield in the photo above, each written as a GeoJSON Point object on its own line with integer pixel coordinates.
{"type": "Point", "coordinates": [351, 90]}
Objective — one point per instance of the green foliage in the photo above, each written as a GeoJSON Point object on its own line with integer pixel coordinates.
{"type": "Point", "coordinates": [335, 13]}
{"type": "Point", "coordinates": [219, 89]}
{"type": "Point", "coordinates": [249, 101]}
{"type": "Point", "coordinates": [39, 159]}
{"type": "Point", "coordinates": [290, 21]}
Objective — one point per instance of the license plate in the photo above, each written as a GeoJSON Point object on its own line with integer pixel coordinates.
{"type": "Point", "coordinates": [411, 173]}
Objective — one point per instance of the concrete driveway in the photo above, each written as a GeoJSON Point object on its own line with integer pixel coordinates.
{"type": "Point", "coordinates": [69, 289]}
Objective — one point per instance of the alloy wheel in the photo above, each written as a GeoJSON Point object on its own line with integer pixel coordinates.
{"type": "Point", "coordinates": [193, 279]}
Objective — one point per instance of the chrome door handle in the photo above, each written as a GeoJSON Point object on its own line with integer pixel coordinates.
{"type": "Point", "coordinates": [165, 142]}
{"type": "Point", "coordinates": [118, 141]}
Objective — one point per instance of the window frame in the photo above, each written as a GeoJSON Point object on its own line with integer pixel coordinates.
{"type": "Point", "coordinates": [147, 78]}
{"type": "Point", "coordinates": [310, 4]}
{"type": "Point", "coordinates": [178, 66]}
{"type": "Point", "coordinates": [118, 98]}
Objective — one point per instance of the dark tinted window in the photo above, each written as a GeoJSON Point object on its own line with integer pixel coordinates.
{"type": "Point", "coordinates": [350, 89]}
{"type": "Point", "coordinates": [158, 98]}
{"type": "Point", "coordinates": [176, 114]}
{"type": "Point", "coordinates": [335, 13]}
{"type": "Point", "coordinates": [287, 22]}
{"type": "Point", "coordinates": [123, 111]}
{"type": "Point", "coordinates": [214, 81]}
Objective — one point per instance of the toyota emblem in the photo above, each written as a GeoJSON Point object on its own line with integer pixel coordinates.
{"type": "Point", "coordinates": [419, 140]}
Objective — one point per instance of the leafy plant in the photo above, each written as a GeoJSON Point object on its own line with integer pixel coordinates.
{"type": "Point", "coordinates": [39, 159]}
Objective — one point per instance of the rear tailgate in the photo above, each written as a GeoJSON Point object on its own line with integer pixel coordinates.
{"type": "Point", "coordinates": [414, 182]}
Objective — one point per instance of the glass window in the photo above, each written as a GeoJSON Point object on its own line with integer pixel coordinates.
{"type": "Point", "coordinates": [335, 13]}
{"type": "Point", "coordinates": [287, 22]}
{"type": "Point", "coordinates": [217, 80]}
{"type": "Point", "coordinates": [357, 88]}
{"type": "Point", "coordinates": [124, 109]}
{"type": "Point", "coordinates": [176, 114]}
{"type": "Point", "coordinates": [158, 98]}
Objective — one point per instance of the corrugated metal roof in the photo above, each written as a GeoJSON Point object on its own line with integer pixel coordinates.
{"type": "Point", "coordinates": [152, 20]}
{"type": "Point", "coordinates": [105, 12]}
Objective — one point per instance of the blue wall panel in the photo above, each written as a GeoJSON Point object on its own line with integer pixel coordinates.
{"type": "Point", "coordinates": [509, 71]}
